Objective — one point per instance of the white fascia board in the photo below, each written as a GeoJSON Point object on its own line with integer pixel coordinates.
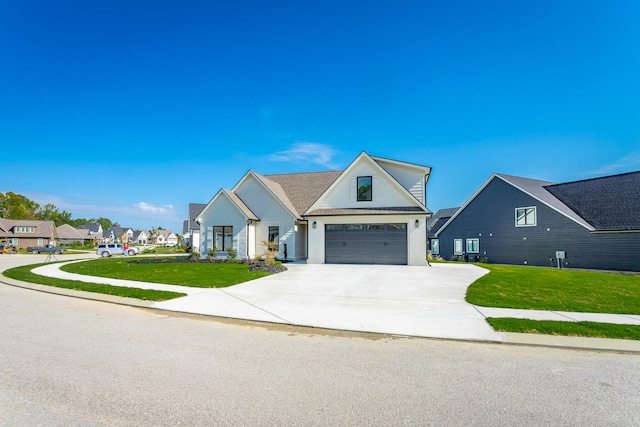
{"type": "Point", "coordinates": [479, 190]}
{"type": "Point", "coordinates": [382, 171]}
{"type": "Point", "coordinates": [220, 193]}
{"type": "Point", "coordinates": [253, 175]}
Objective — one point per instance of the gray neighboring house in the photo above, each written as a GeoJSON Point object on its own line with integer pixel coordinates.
{"type": "Point", "coordinates": [191, 227]}
{"type": "Point", "coordinates": [590, 224]}
{"type": "Point", "coordinates": [434, 224]}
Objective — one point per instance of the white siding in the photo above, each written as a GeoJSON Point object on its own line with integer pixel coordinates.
{"type": "Point", "coordinates": [301, 242]}
{"type": "Point", "coordinates": [410, 179]}
{"type": "Point", "coordinates": [223, 212]}
{"type": "Point", "coordinates": [385, 192]}
{"type": "Point", "coordinates": [271, 214]}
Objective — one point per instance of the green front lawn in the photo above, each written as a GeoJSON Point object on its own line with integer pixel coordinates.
{"type": "Point", "coordinates": [199, 275]}
{"type": "Point", "coordinates": [24, 273]}
{"type": "Point", "coordinates": [540, 288]}
{"type": "Point", "coordinates": [556, 327]}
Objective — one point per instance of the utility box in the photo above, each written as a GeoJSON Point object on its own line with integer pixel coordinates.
{"type": "Point", "coordinates": [560, 255]}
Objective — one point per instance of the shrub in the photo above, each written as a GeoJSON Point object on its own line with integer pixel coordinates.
{"type": "Point", "coordinates": [232, 254]}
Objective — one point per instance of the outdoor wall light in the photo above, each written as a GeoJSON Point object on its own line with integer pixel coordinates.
{"type": "Point", "coordinates": [314, 224]}
{"type": "Point", "coordinates": [417, 223]}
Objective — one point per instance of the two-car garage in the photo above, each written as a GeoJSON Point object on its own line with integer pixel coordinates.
{"type": "Point", "coordinates": [366, 243]}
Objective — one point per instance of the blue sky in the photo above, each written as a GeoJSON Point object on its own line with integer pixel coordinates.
{"type": "Point", "coordinates": [133, 110]}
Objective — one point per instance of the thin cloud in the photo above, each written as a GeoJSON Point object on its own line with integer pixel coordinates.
{"type": "Point", "coordinates": [306, 152]}
{"type": "Point", "coordinates": [148, 208]}
{"type": "Point", "coordinates": [626, 164]}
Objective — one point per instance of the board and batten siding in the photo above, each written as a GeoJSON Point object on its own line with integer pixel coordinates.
{"type": "Point", "coordinates": [271, 213]}
{"type": "Point", "coordinates": [223, 213]}
{"type": "Point", "coordinates": [384, 194]}
{"type": "Point", "coordinates": [490, 218]}
{"type": "Point", "coordinates": [409, 178]}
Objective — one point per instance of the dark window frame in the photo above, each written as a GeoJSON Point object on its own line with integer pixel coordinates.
{"type": "Point", "coordinates": [225, 228]}
{"type": "Point", "coordinates": [364, 194]}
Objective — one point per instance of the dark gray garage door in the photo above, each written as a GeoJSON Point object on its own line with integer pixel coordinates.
{"type": "Point", "coordinates": [366, 244]}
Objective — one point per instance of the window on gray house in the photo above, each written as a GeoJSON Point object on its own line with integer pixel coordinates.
{"type": "Point", "coordinates": [364, 189]}
{"type": "Point", "coordinates": [473, 246]}
{"type": "Point", "coordinates": [526, 217]}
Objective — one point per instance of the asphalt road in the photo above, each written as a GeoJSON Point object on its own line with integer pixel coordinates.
{"type": "Point", "coordinates": [72, 362]}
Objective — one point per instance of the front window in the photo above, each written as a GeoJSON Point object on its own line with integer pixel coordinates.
{"type": "Point", "coordinates": [526, 217]}
{"type": "Point", "coordinates": [435, 247]}
{"type": "Point", "coordinates": [274, 237]}
{"type": "Point", "coordinates": [40, 241]}
{"type": "Point", "coordinates": [457, 246]}
{"type": "Point", "coordinates": [364, 189]}
{"type": "Point", "coordinates": [224, 237]}
{"type": "Point", "coordinates": [473, 246]}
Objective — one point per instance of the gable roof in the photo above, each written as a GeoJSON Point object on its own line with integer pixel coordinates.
{"type": "Point", "coordinates": [194, 211]}
{"type": "Point", "coordinates": [93, 228]}
{"type": "Point", "coordinates": [599, 204]}
{"type": "Point", "coordinates": [240, 204]}
{"type": "Point", "coordinates": [364, 155]}
{"type": "Point", "coordinates": [610, 203]}
{"type": "Point", "coordinates": [441, 213]}
{"type": "Point", "coordinates": [44, 229]}
{"type": "Point", "coordinates": [65, 231]}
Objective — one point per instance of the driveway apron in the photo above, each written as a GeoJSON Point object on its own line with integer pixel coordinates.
{"type": "Point", "coordinates": [402, 300]}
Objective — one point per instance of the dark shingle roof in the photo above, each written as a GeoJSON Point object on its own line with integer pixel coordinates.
{"type": "Point", "coordinates": [194, 211]}
{"type": "Point", "coordinates": [441, 213]}
{"type": "Point", "coordinates": [609, 203]}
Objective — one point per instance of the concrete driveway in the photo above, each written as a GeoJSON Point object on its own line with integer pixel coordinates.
{"type": "Point", "coordinates": [417, 301]}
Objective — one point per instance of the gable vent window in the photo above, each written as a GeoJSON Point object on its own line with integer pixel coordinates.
{"type": "Point", "coordinates": [365, 189]}
{"type": "Point", "coordinates": [526, 217]}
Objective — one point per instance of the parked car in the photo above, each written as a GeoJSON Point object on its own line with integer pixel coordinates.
{"type": "Point", "coordinates": [109, 249]}
{"type": "Point", "coordinates": [46, 249]}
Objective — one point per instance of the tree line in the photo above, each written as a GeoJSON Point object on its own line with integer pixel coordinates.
{"type": "Point", "coordinates": [17, 206]}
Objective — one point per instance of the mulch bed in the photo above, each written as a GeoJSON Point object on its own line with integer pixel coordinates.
{"type": "Point", "coordinates": [253, 264]}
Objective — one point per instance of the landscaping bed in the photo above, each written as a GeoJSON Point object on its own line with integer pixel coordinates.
{"type": "Point", "coordinates": [254, 265]}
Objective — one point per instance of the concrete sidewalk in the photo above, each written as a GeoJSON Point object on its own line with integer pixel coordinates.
{"type": "Point", "coordinates": [398, 300]}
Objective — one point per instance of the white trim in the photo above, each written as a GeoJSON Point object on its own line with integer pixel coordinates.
{"type": "Point", "coordinates": [535, 216]}
{"type": "Point", "coordinates": [461, 247]}
{"type": "Point", "coordinates": [495, 175]}
{"type": "Point", "coordinates": [394, 182]}
{"type": "Point", "coordinates": [478, 245]}
{"type": "Point", "coordinates": [254, 175]}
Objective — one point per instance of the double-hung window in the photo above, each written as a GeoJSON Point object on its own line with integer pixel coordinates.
{"type": "Point", "coordinates": [526, 217]}
{"type": "Point", "coordinates": [473, 246]}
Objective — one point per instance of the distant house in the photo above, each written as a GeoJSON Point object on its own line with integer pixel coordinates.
{"type": "Point", "coordinates": [434, 224]}
{"type": "Point", "coordinates": [166, 237]}
{"type": "Point", "coordinates": [118, 234]}
{"type": "Point", "coordinates": [67, 235]}
{"type": "Point", "coordinates": [373, 212]}
{"type": "Point", "coordinates": [140, 237]}
{"type": "Point", "coordinates": [590, 224]}
{"type": "Point", "coordinates": [91, 231]}
{"type": "Point", "coordinates": [191, 227]}
{"type": "Point", "coordinates": [24, 233]}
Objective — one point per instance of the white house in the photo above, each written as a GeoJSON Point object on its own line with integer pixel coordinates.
{"type": "Point", "coordinates": [373, 212]}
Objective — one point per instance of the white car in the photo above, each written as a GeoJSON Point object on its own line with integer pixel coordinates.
{"type": "Point", "coordinates": [108, 249]}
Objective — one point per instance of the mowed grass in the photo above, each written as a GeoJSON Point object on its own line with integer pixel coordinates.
{"type": "Point", "coordinates": [555, 327]}
{"type": "Point", "coordinates": [539, 288]}
{"type": "Point", "coordinates": [24, 274]}
{"type": "Point", "coordinates": [198, 275]}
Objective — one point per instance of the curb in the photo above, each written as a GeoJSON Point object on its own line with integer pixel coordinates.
{"type": "Point", "coordinates": [510, 338]}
